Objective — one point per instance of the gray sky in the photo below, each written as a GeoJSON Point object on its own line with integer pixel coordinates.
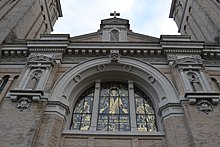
{"type": "Point", "coordinates": [149, 17]}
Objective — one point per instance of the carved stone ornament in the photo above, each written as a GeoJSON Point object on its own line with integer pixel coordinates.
{"type": "Point", "coordinates": [171, 57]}
{"type": "Point", "coordinates": [114, 55]}
{"type": "Point", "coordinates": [151, 79]}
{"type": "Point", "coordinates": [40, 58]}
{"type": "Point", "coordinates": [24, 103]}
{"type": "Point", "coordinates": [127, 67]}
{"type": "Point", "coordinates": [101, 67]}
{"type": "Point", "coordinates": [188, 61]}
{"type": "Point", "coordinates": [204, 106]}
{"type": "Point", "coordinates": [77, 78]}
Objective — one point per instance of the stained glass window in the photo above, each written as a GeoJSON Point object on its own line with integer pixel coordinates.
{"type": "Point", "coordinates": [82, 112]}
{"type": "Point", "coordinates": [113, 110]}
{"type": "Point", "coordinates": [113, 107]}
{"type": "Point", "coordinates": [144, 112]}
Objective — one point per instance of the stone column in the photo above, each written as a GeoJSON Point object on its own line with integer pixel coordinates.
{"type": "Point", "coordinates": [205, 83]}
{"type": "Point", "coordinates": [185, 81]}
{"type": "Point", "coordinates": [95, 106]}
{"type": "Point", "coordinates": [43, 79]}
{"type": "Point", "coordinates": [132, 106]}
{"type": "Point", "coordinates": [24, 80]}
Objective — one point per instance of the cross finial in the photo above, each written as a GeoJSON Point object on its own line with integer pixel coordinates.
{"type": "Point", "coordinates": [114, 14]}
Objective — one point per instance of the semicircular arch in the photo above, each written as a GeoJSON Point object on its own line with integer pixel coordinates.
{"type": "Point", "coordinates": [72, 83]}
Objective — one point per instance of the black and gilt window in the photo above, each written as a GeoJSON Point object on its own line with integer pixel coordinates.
{"type": "Point", "coordinates": [82, 112]}
{"type": "Point", "coordinates": [113, 109]}
{"type": "Point", "coordinates": [113, 112]}
{"type": "Point", "coordinates": [145, 116]}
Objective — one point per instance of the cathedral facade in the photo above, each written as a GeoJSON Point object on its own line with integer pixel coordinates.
{"type": "Point", "coordinates": [110, 88]}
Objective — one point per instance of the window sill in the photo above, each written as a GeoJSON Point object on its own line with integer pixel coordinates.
{"type": "Point", "coordinates": [109, 133]}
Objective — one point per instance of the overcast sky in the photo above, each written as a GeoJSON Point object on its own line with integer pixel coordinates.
{"type": "Point", "coordinates": [149, 17]}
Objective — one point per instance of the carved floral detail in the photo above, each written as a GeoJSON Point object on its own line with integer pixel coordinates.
{"type": "Point", "coordinates": [204, 106]}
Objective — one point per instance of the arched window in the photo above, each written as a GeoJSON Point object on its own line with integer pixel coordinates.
{"type": "Point", "coordinates": [144, 112]}
{"type": "Point", "coordinates": [82, 112]}
{"type": "Point", "coordinates": [4, 82]}
{"type": "Point", "coordinates": [113, 109]}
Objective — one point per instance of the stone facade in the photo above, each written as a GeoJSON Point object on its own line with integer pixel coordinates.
{"type": "Point", "coordinates": [197, 18]}
{"type": "Point", "coordinates": [43, 80]}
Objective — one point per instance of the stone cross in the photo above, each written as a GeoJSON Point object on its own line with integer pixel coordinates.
{"type": "Point", "coordinates": [114, 14]}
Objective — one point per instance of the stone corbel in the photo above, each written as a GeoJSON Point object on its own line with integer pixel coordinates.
{"type": "Point", "coordinates": [25, 98]}
{"type": "Point", "coordinates": [194, 97]}
{"type": "Point", "coordinates": [203, 101]}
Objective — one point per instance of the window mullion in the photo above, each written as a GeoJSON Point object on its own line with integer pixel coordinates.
{"type": "Point", "coordinates": [95, 106]}
{"type": "Point", "coordinates": [132, 106]}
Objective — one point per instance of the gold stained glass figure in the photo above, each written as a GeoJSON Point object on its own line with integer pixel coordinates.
{"type": "Point", "coordinates": [116, 102]}
{"type": "Point", "coordinates": [82, 112]}
{"type": "Point", "coordinates": [144, 112]}
{"type": "Point", "coordinates": [114, 107]}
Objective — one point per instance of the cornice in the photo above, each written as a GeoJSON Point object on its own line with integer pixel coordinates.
{"type": "Point", "coordinates": [61, 43]}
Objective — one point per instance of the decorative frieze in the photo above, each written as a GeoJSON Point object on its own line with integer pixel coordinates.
{"type": "Point", "coordinates": [154, 60]}
{"type": "Point", "coordinates": [75, 59]}
{"type": "Point", "coordinates": [13, 60]}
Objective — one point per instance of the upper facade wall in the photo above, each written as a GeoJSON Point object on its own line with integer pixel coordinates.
{"type": "Point", "coordinates": [198, 18]}
{"type": "Point", "coordinates": [27, 19]}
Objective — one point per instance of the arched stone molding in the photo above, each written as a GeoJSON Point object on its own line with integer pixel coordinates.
{"type": "Point", "coordinates": [144, 75]}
